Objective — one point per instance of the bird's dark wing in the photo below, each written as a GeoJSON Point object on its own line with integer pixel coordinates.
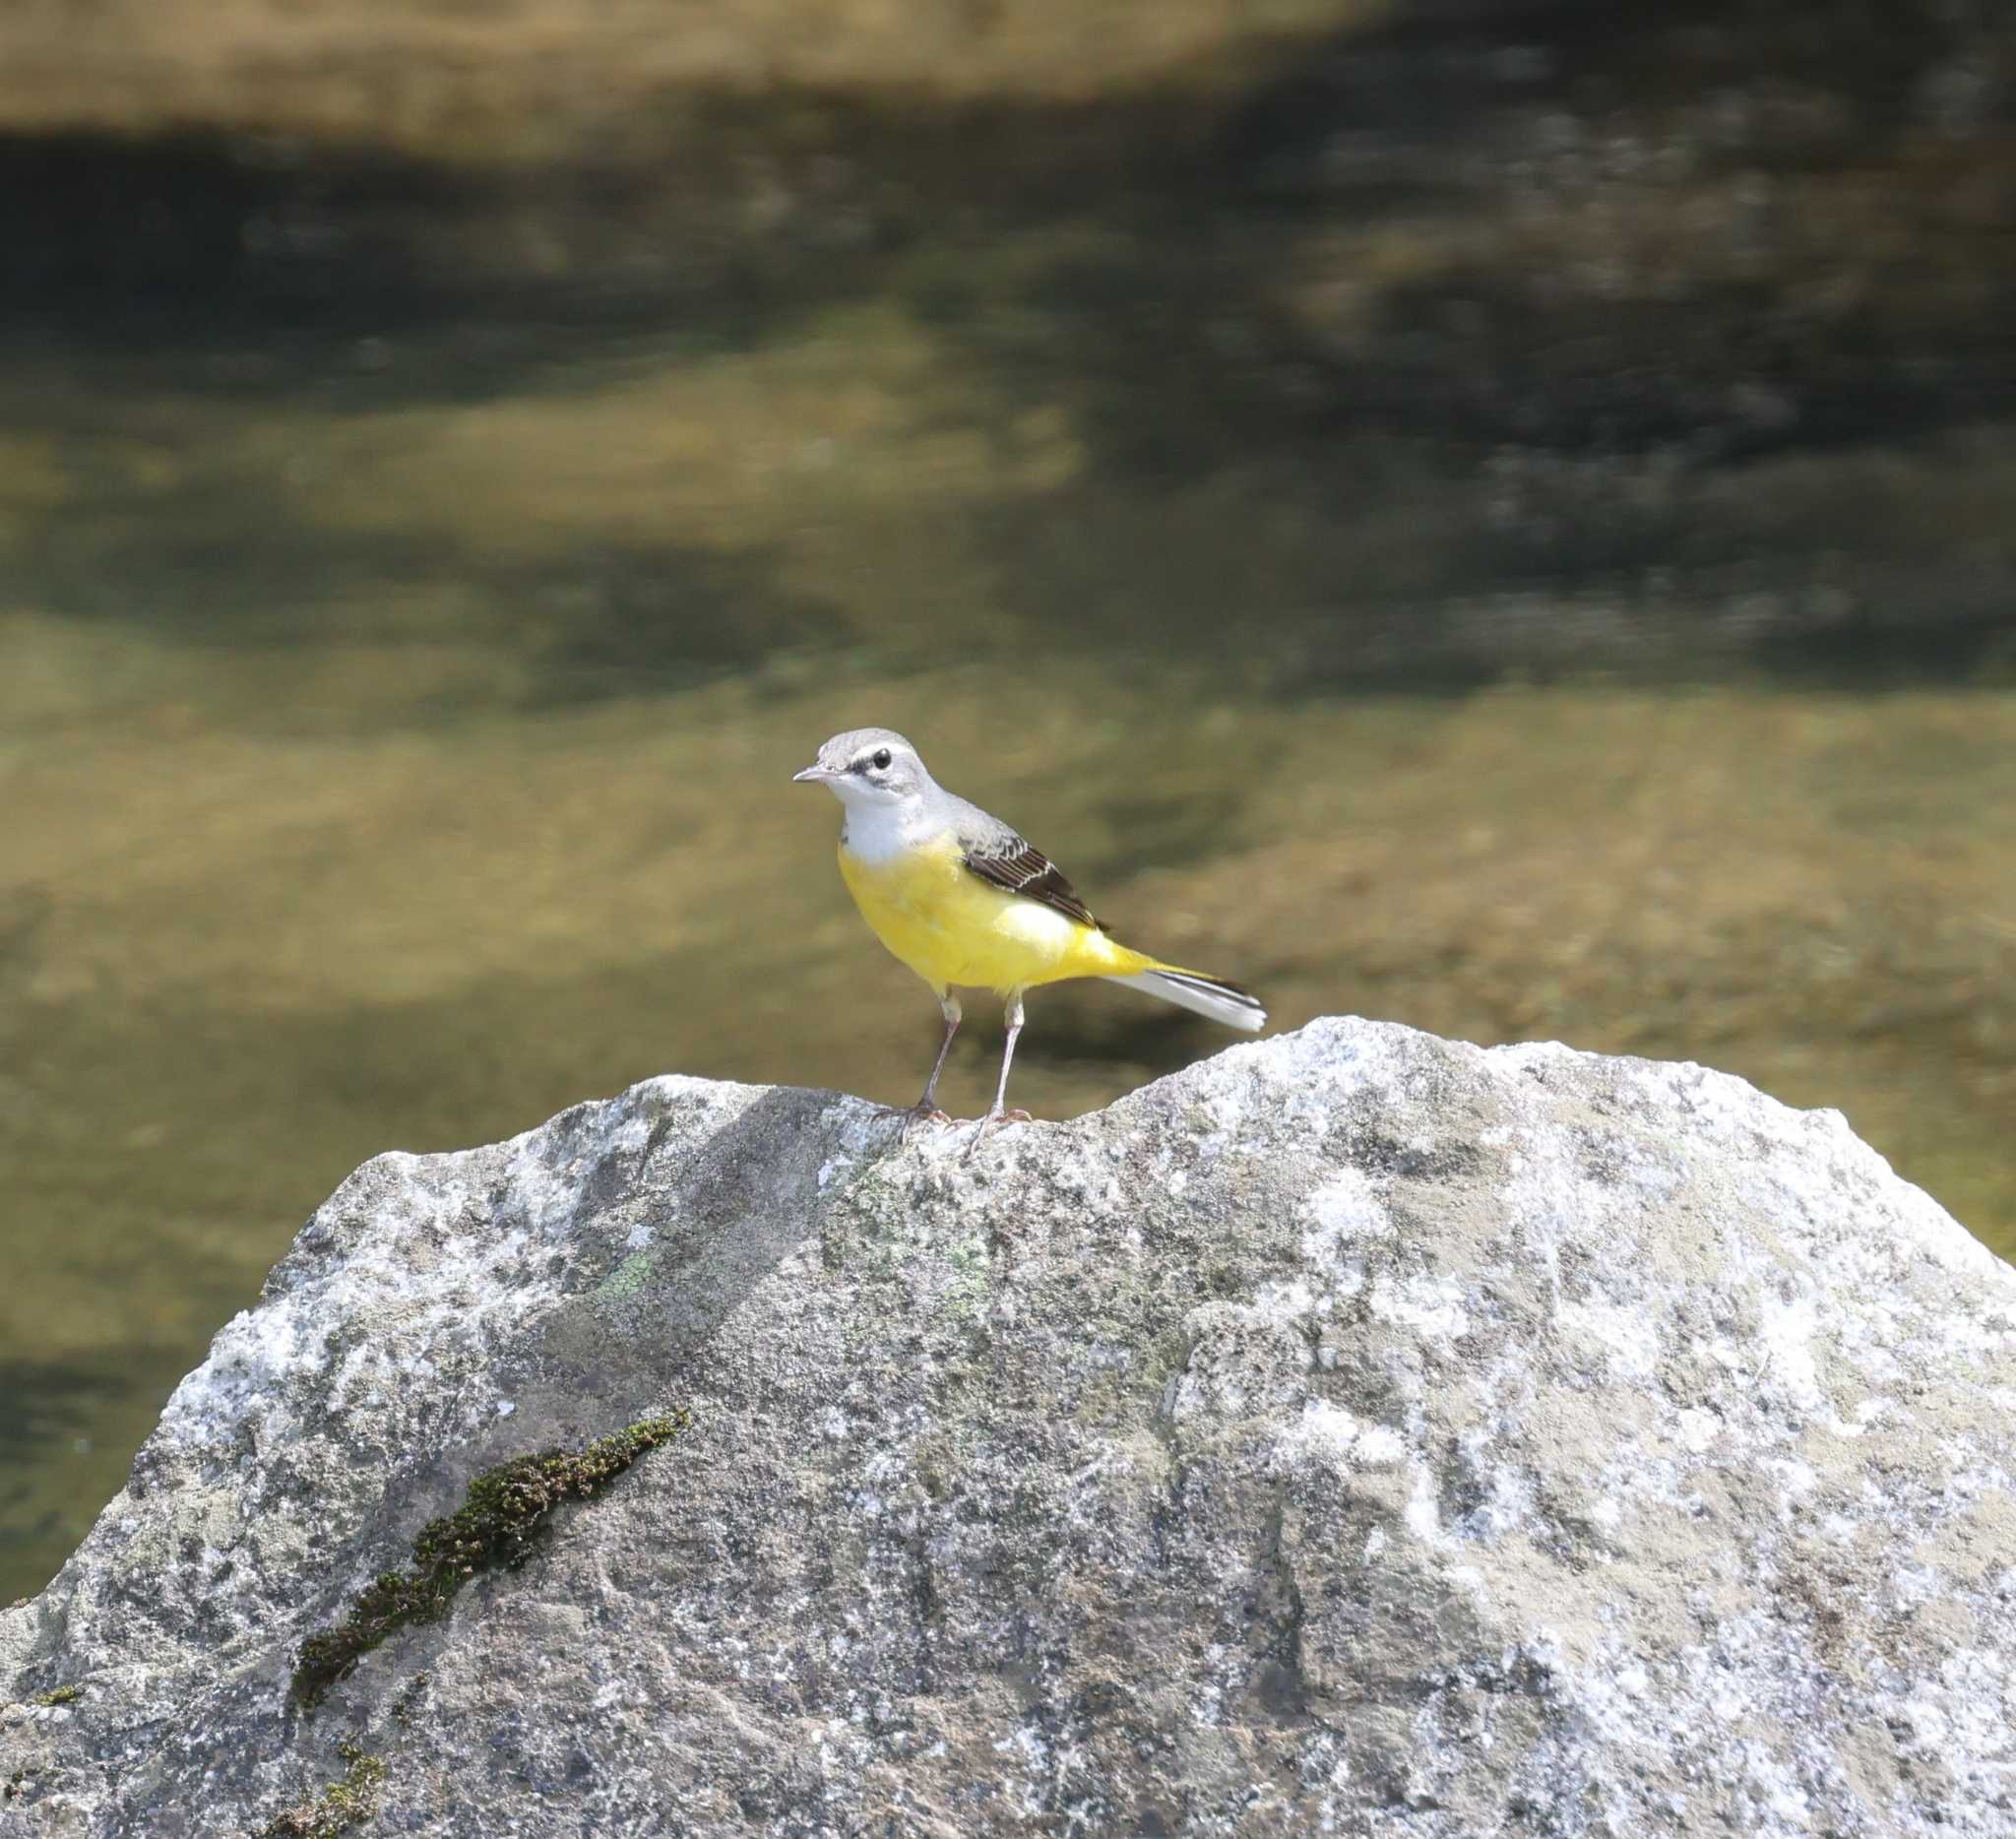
{"type": "Point", "coordinates": [1006, 861]}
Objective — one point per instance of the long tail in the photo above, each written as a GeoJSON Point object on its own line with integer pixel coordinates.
{"type": "Point", "coordinates": [1222, 1002]}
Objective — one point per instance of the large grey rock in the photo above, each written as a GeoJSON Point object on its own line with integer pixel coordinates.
{"type": "Point", "coordinates": [1358, 1433]}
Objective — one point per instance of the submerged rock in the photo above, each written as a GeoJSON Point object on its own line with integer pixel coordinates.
{"type": "Point", "coordinates": [1357, 1433]}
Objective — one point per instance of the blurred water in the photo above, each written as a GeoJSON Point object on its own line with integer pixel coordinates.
{"type": "Point", "coordinates": [1494, 519]}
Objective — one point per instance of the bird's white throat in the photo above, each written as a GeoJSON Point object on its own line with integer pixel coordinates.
{"type": "Point", "coordinates": [878, 830]}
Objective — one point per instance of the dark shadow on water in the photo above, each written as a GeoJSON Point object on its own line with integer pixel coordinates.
{"type": "Point", "coordinates": [199, 237]}
{"type": "Point", "coordinates": [47, 1402]}
{"type": "Point", "coordinates": [241, 570]}
{"type": "Point", "coordinates": [1482, 300]}
{"type": "Point", "coordinates": [1866, 657]}
{"type": "Point", "coordinates": [54, 1471]}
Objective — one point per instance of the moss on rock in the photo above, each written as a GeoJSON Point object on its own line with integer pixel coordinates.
{"type": "Point", "coordinates": [496, 1527]}
{"type": "Point", "coordinates": [344, 1805]}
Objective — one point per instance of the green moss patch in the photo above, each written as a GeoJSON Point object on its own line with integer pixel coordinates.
{"type": "Point", "coordinates": [344, 1805]}
{"type": "Point", "coordinates": [496, 1527]}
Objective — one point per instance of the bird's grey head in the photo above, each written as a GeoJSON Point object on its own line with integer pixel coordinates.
{"type": "Point", "coordinates": [869, 766]}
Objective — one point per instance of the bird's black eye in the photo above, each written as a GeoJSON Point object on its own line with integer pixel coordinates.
{"type": "Point", "coordinates": [881, 760]}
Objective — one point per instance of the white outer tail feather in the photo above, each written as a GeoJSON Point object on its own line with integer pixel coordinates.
{"type": "Point", "coordinates": [1234, 1007]}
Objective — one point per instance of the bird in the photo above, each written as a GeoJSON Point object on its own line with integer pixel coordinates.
{"type": "Point", "coordinates": [964, 900]}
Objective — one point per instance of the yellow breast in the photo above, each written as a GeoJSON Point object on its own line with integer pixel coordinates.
{"type": "Point", "coordinates": [952, 927]}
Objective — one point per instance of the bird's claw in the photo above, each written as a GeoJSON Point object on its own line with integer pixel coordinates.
{"type": "Point", "coordinates": [924, 1111]}
{"type": "Point", "coordinates": [991, 1121]}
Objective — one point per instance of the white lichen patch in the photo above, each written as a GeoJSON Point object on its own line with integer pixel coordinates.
{"type": "Point", "coordinates": [1430, 1307]}
{"type": "Point", "coordinates": [1340, 1218]}
{"type": "Point", "coordinates": [1617, 1337]}
{"type": "Point", "coordinates": [1325, 1432]}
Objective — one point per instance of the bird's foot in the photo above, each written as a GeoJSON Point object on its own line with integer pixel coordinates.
{"type": "Point", "coordinates": [993, 1120]}
{"type": "Point", "coordinates": [915, 1116]}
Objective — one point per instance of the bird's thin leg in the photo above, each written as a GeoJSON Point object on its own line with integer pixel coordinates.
{"type": "Point", "coordinates": [1001, 1115]}
{"type": "Point", "coordinates": [926, 1111]}
{"type": "Point", "coordinates": [928, 1106]}
{"type": "Point", "coordinates": [1013, 1017]}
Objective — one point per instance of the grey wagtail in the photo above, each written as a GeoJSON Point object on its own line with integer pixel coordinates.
{"type": "Point", "coordinates": [961, 898]}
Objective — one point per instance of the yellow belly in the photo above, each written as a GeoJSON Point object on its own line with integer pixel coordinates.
{"type": "Point", "coordinates": [951, 927]}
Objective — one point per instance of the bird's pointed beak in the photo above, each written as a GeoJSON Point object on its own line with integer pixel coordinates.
{"type": "Point", "coordinates": [814, 775]}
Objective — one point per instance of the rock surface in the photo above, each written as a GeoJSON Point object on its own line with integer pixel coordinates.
{"type": "Point", "coordinates": [1359, 1432]}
